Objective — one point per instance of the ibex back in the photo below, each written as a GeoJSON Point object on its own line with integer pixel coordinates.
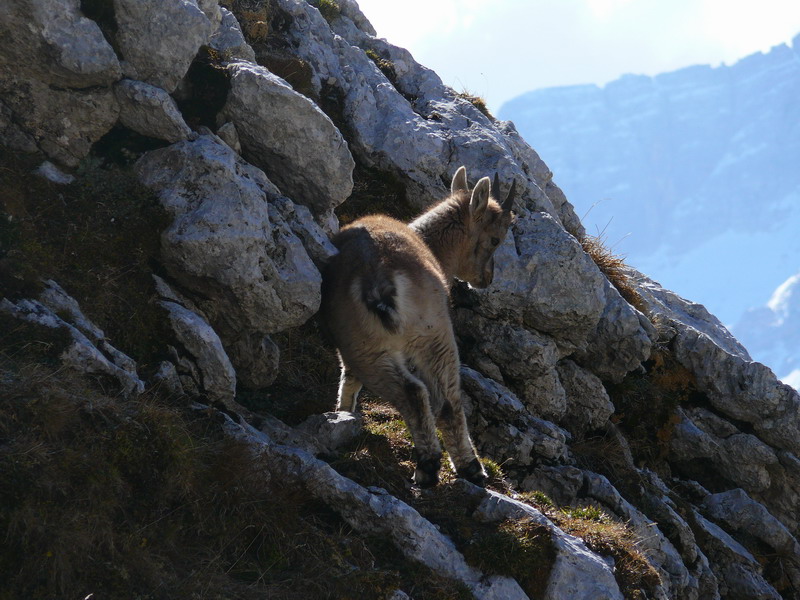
{"type": "Point", "coordinates": [385, 298]}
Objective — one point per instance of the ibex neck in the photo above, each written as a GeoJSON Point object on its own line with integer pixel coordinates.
{"type": "Point", "coordinates": [443, 229]}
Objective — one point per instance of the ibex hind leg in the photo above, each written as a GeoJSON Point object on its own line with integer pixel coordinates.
{"type": "Point", "coordinates": [392, 380]}
{"type": "Point", "coordinates": [349, 387]}
{"type": "Point", "coordinates": [440, 373]}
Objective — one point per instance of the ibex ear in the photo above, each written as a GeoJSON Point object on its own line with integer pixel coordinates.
{"type": "Point", "coordinates": [480, 198]}
{"type": "Point", "coordinates": [459, 183]}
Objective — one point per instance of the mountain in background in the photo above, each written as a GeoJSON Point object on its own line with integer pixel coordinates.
{"type": "Point", "coordinates": [693, 175]}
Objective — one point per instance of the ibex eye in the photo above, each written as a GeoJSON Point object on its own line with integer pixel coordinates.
{"type": "Point", "coordinates": [495, 241]}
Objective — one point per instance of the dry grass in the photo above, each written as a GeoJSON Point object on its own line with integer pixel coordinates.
{"type": "Point", "coordinates": [613, 267]}
{"type": "Point", "coordinates": [636, 577]}
{"type": "Point", "coordinates": [477, 101]}
{"type": "Point", "coordinates": [97, 237]}
{"type": "Point", "coordinates": [142, 499]}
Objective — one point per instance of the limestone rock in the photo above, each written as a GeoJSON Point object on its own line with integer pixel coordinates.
{"type": "Point", "coordinates": [218, 378]}
{"type": "Point", "coordinates": [61, 123]}
{"type": "Point", "coordinates": [252, 274]}
{"type": "Point", "coordinates": [588, 404]}
{"type": "Point", "coordinates": [286, 135]}
{"type": "Point", "coordinates": [333, 430]}
{"type": "Point", "coordinates": [51, 41]}
{"type": "Point", "coordinates": [737, 570]}
{"type": "Point", "coordinates": [88, 351]}
{"type": "Point", "coordinates": [52, 173]}
{"type": "Point", "coordinates": [545, 280]}
{"type": "Point", "coordinates": [159, 38]}
{"type": "Point", "coordinates": [228, 134]}
{"type": "Point", "coordinates": [229, 41]}
{"type": "Point", "coordinates": [504, 430]}
{"type": "Point", "coordinates": [740, 457]}
{"type": "Point", "coordinates": [412, 126]}
{"type": "Point", "coordinates": [527, 361]}
{"type": "Point", "coordinates": [621, 341]}
{"type": "Point", "coordinates": [577, 572]}
{"type": "Point", "coordinates": [151, 111]}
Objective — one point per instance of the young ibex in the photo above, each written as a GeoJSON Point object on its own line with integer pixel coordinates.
{"type": "Point", "coordinates": [385, 298]}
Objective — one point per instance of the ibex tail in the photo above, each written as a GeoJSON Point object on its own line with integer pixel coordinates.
{"type": "Point", "coordinates": [379, 294]}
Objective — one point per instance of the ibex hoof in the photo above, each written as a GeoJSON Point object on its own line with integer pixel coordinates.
{"type": "Point", "coordinates": [474, 473]}
{"type": "Point", "coordinates": [427, 473]}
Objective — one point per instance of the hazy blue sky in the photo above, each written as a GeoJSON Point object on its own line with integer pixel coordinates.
{"type": "Point", "coordinates": [502, 48]}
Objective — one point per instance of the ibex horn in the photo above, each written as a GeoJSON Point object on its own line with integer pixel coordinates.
{"type": "Point", "coordinates": [496, 186]}
{"type": "Point", "coordinates": [508, 203]}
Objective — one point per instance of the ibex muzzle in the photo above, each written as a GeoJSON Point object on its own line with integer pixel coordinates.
{"type": "Point", "coordinates": [385, 299]}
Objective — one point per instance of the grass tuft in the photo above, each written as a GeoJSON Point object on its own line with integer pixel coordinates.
{"type": "Point", "coordinates": [613, 267]}
{"type": "Point", "coordinates": [386, 66]}
{"type": "Point", "coordinates": [477, 101]}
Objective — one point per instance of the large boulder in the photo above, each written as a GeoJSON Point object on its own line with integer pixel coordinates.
{"type": "Point", "coordinates": [151, 111]}
{"type": "Point", "coordinates": [247, 269]}
{"type": "Point", "coordinates": [159, 38]}
{"type": "Point", "coordinates": [51, 40]}
{"type": "Point", "coordinates": [289, 137]}
{"type": "Point", "coordinates": [56, 69]}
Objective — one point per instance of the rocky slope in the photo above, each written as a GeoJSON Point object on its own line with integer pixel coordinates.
{"type": "Point", "coordinates": [692, 173]}
{"type": "Point", "coordinates": [211, 149]}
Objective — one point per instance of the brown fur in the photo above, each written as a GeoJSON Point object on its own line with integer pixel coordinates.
{"type": "Point", "coordinates": [385, 299]}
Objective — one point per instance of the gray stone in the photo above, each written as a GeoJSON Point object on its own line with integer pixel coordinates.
{"type": "Point", "coordinates": [621, 341]}
{"type": "Point", "coordinates": [302, 223]}
{"type": "Point", "coordinates": [286, 135]}
{"type": "Point", "coordinates": [333, 430]}
{"type": "Point", "coordinates": [559, 483]}
{"type": "Point", "coordinates": [544, 279]}
{"type": "Point", "coordinates": [228, 134]}
{"type": "Point", "coordinates": [678, 582]}
{"type": "Point", "coordinates": [88, 352]}
{"type": "Point", "coordinates": [252, 274]}
{"type": "Point", "coordinates": [229, 41]}
{"type": "Point", "coordinates": [737, 570]}
{"type": "Point", "coordinates": [167, 378]}
{"type": "Point", "coordinates": [588, 404]}
{"type": "Point", "coordinates": [159, 38]}
{"type": "Point", "coordinates": [62, 123]}
{"type": "Point", "coordinates": [526, 360]}
{"type": "Point", "coordinates": [413, 126]}
{"type": "Point", "coordinates": [504, 430]}
{"type": "Point", "coordinates": [740, 513]}
{"type": "Point", "coordinates": [742, 458]}
{"type": "Point", "coordinates": [151, 111]}
{"type": "Point", "coordinates": [52, 173]}
{"type": "Point", "coordinates": [52, 42]}
{"type": "Point", "coordinates": [257, 359]}
{"type": "Point", "coordinates": [218, 379]}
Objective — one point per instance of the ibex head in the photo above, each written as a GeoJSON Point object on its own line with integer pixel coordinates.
{"type": "Point", "coordinates": [486, 221]}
